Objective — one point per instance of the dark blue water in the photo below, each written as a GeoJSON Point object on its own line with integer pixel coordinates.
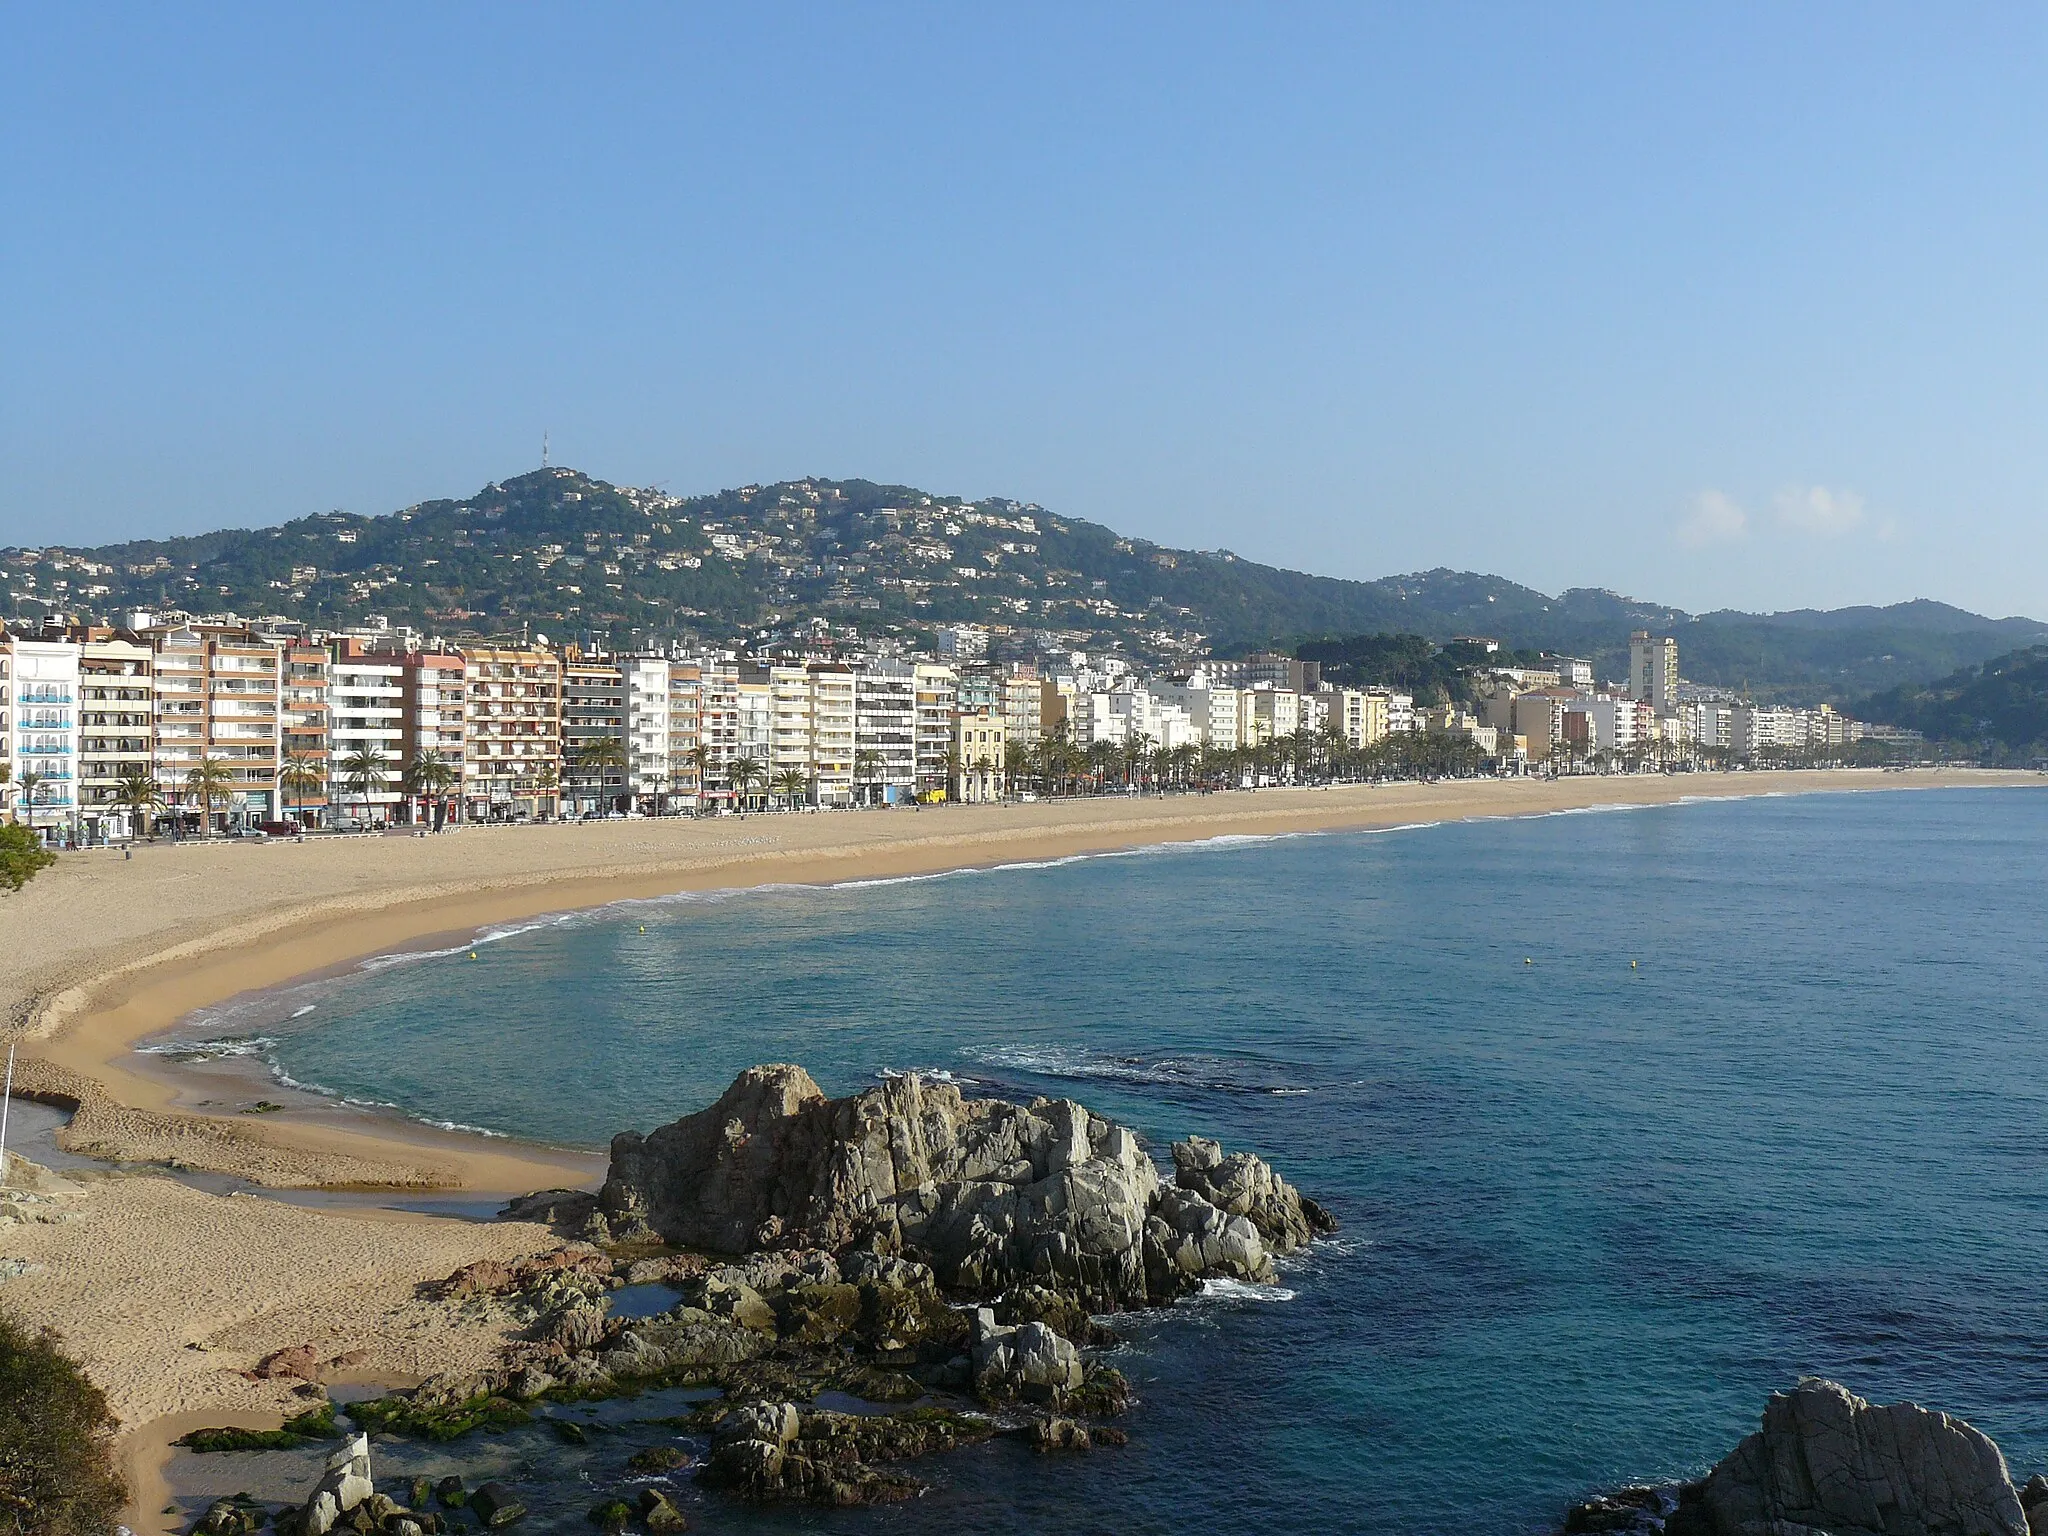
{"type": "Point", "coordinates": [1594, 1211]}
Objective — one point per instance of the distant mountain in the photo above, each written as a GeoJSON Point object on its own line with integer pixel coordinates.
{"type": "Point", "coordinates": [557, 552]}
{"type": "Point", "coordinates": [1997, 708]}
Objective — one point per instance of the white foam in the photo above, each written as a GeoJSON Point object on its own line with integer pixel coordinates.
{"type": "Point", "coordinates": [1243, 1291]}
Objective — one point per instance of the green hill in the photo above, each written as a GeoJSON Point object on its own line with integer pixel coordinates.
{"type": "Point", "coordinates": [557, 552]}
{"type": "Point", "coordinates": [1997, 709]}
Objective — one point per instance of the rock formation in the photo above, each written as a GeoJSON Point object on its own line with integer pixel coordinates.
{"type": "Point", "coordinates": [1826, 1463]}
{"type": "Point", "coordinates": [990, 1194]}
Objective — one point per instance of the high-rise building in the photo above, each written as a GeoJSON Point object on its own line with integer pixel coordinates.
{"type": "Point", "coordinates": [512, 748]}
{"type": "Point", "coordinates": [594, 756]}
{"type": "Point", "coordinates": [365, 731]}
{"type": "Point", "coordinates": [936, 686]}
{"type": "Point", "coordinates": [885, 732]}
{"type": "Point", "coordinates": [435, 723]}
{"type": "Point", "coordinates": [1653, 670]}
{"type": "Point", "coordinates": [39, 730]}
{"type": "Point", "coordinates": [219, 701]}
{"type": "Point", "coordinates": [834, 721]}
{"type": "Point", "coordinates": [305, 772]}
{"type": "Point", "coordinates": [116, 724]}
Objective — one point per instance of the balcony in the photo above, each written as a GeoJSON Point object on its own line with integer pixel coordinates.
{"type": "Point", "coordinates": [63, 750]}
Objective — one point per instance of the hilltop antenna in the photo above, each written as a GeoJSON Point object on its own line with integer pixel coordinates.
{"type": "Point", "coordinates": [543, 447]}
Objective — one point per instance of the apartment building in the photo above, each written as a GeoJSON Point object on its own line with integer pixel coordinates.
{"type": "Point", "coordinates": [39, 733]}
{"type": "Point", "coordinates": [512, 747]}
{"type": "Point", "coordinates": [433, 717]}
{"type": "Point", "coordinates": [885, 731]}
{"type": "Point", "coordinates": [646, 684]}
{"type": "Point", "coordinates": [936, 687]}
{"type": "Point", "coordinates": [718, 724]}
{"type": "Point", "coordinates": [976, 756]}
{"type": "Point", "coordinates": [308, 757]}
{"type": "Point", "coordinates": [834, 727]}
{"type": "Point", "coordinates": [1356, 716]}
{"type": "Point", "coordinates": [1268, 713]}
{"type": "Point", "coordinates": [1020, 704]}
{"type": "Point", "coordinates": [117, 729]}
{"type": "Point", "coordinates": [365, 732]}
{"type": "Point", "coordinates": [686, 775]}
{"type": "Point", "coordinates": [593, 767]}
{"type": "Point", "coordinates": [219, 700]}
{"type": "Point", "coordinates": [1653, 670]}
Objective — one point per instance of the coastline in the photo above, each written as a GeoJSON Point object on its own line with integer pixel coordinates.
{"type": "Point", "coordinates": [170, 1294]}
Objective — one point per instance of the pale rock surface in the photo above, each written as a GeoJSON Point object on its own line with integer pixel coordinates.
{"type": "Point", "coordinates": [1826, 1461]}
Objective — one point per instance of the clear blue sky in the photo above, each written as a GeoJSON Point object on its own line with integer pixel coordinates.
{"type": "Point", "coordinates": [1722, 306]}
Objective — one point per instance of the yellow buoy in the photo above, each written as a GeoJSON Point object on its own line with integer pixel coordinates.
{"type": "Point", "coordinates": [472, 954]}
{"type": "Point", "coordinates": [643, 927]}
{"type": "Point", "coordinates": [1631, 965]}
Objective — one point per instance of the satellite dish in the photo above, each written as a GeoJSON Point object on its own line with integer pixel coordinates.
{"type": "Point", "coordinates": [539, 638]}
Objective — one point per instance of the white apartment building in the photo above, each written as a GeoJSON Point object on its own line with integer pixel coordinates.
{"type": "Point", "coordinates": [1213, 711]}
{"type": "Point", "coordinates": [645, 681]}
{"type": "Point", "coordinates": [39, 734]}
{"type": "Point", "coordinates": [834, 726]}
{"type": "Point", "coordinates": [885, 725]}
{"type": "Point", "coordinates": [366, 726]}
{"type": "Point", "coordinates": [686, 783]}
{"type": "Point", "coordinates": [936, 686]}
{"type": "Point", "coordinates": [1267, 713]}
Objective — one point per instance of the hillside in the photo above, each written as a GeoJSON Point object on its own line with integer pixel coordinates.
{"type": "Point", "coordinates": [1998, 709]}
{"type": "Point", "coordinates": [557, 552]}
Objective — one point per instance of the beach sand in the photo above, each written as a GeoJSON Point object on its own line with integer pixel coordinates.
{"type": "Point", "coordinates": [167, 1293]}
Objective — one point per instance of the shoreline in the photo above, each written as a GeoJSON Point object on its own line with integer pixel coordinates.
{"type": "Point", "coordinates": [336, 1146]}
{"type": "Point", "coordinates": [170, 1295]}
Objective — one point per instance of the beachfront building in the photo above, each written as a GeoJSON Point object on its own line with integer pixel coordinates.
{"type": "Point", "coordinates": [975, 757]}
{"type": "Point", "coordinates": [936, 687]}
{"type": "Point", "coordinates": [885, 732]}
{"type": "Point", "coordinates": [39, 703]}
{"type": "Point", "coordinates": [834, 726]}
{"type": "Point", "coordinates": [718, 725]}
{"type": "Point", "coordinates": [646, 683]}
{"type": "Point", "coordinates": [433, 720]}
{"type": "Point", "coordinates": [593, 734]}
{"type": "Point", "coordinates": [365, 732]}
{"type": "Point", "coordinates": [1020, 704]}
{"type": "Point", "coordinates": [686, 777]}
{"type": "Point", "coordinates": [1357, 716]}
{"type": "Point", "coordinates": [219, 706]}
{"type": "Point", "coordinates": [306, 768]}
{"type": "Point", "coordinates": [116, 731]}
{"type": "Point", "coordinates": [512, 747]}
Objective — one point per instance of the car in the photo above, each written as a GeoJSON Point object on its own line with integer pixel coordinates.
{"type": "Point", "coordinates": [280, 828]}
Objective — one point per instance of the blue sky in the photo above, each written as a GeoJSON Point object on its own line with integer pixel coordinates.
{"type": "Point", "coordinates": [1723, 306]}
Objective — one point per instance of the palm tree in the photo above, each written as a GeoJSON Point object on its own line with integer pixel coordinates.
{"type": "Point", "coordinates": [364, 771]}
{"type": "Point", "coordinates": [209, 780]}
{"type": "Point", "coordinates": [430, 776]}
{"type": "Point", "coordinates": [30, 782]}
{"type": "Point", "coordinates": [304, 775]}
{"type": "Point", "coordinates": [791, 784]}
{"type": "Point", "coordinates": [867, 769]}
{"type": "Point", "coordinates": [140, 793]}
{"type": "Point", "coordinates": [695, 770]}
{"type": "Point", "coordinates": [744, 774]}
{"type": "Point", "coordinates": [598, 757]}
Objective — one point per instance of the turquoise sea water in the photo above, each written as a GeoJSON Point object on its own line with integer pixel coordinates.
{"type": "Point", "coordinates": [1593, 1213]}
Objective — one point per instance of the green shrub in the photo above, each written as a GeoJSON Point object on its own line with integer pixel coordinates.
{"type": "Point", "coordinates": [21, 854]}
{"type": "Point", "coordinates": [57, 1471]}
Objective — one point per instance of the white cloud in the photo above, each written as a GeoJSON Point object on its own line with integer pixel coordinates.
{"type": "Point", "coordinates": [1815, 509]}
{"type": "Point", "coordinates": [1714, 518]}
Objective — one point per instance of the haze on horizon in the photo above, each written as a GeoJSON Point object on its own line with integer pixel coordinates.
{"type": "Point", "coordinates": [1729, 307]}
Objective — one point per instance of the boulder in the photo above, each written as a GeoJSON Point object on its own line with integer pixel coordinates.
{"type": "Point", "coordinates": [1239, 1184]}
{"type": "Point", "coordinates": [1825, 1461]}
{"type": "Point", "coordinates": [990, 1194]}
{"type": "Point", "coordinates": [659, 1513]}
{"type": "Point", "coordinates": [345, 1484]}
{"type": "Point", "coordinates": [494, 1505]}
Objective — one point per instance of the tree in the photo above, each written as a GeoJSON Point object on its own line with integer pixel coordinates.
{"type": "Point", "coordinates": [364, 771]}
{"type": "Point", "coordinates": [58, 1476]}
{"type": "Point", "coordinates": [30, 782]}
{"type": "Point", "coordinates": [744, 774]}
{"type": "Point", "coordinates": [430, 777]}
{"type": "Point", "coordinates": [139, 793]}
{"type": "Point", "coordinates": [791, 784]}
{"type": "Point", "coordinates": [546, 780]}
{"type": "Point", "coordinates": [303, 776]}
{"type": "Point", "coordinates": [867, 769]}
{"type": "Point", "coordinates": [209, 780]}
{"type": "Point", "coordinates": [22, 854]}
{"type": "Point", "coordinates": [596, 758]}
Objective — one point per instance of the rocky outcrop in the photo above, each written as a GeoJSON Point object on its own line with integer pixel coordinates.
{"type": "Point", "coordinates": [990, 1194]}
{"type": "Point", "coordinates": [1239, 1184]}
{"type": "Point", "coordinates": [1827, 1463]}
{"type": "Point", "coordinates": [345, 1484]}
{"type": "Point", "coordinates": [1029, 1362]}
{"type": "Point", "coordinates": [776, 1452]}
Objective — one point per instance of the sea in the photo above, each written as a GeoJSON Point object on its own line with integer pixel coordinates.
{"type": "Point", "coordinates": [1631, 1117]}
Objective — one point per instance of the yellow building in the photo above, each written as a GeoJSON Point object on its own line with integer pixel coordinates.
{"type": "Point", "coordinates": [975, 762]}
{"type": "Point", "coordinates": [512, 751]}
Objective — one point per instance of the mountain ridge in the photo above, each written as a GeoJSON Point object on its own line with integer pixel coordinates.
{"type": "Point", "coordinates": [558, 551]}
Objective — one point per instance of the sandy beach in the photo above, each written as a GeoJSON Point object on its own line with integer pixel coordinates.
{"type": "Point", "coordinates": [169, 1294]}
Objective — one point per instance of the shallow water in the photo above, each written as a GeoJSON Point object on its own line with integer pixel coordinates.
{"type": "Point", "coordinates": [1594, 1211]}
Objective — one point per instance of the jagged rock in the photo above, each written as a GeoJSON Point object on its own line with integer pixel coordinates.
{"type": "Point", "coordinates": [770, 1451]}
{"type": "Point", "coordinates": [659, 1458]}
{"type": "Point", "coordinates": [1030, 1361]}
{"type": "Point", "coordinates": [1239, 1184]}
{"type": "Point", "coordinates": [237, 1516]}
{"type": "Point", "coordinates": [992, 1194]}
{"type": "Point", "coordinates": [1622, 1513]}
{"type": "Point", "coordinates": [1825, 1461]}
{"type": "Point", "coordinates": [450, 1492]}
{"type": "Point", "coordinates": [611, 1515]}
{"type": "Point", "coordinates": [578, 1323]}
{"type": "Point", "coordinates": [301, 1362]}
{"type": "Point", "coordinates": [2034, 1500]}
{"type": "Point", "coordinates": [564, 1209]}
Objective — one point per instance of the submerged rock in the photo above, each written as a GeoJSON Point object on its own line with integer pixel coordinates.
{"type": "Point", "coordinates": [992, 1195]}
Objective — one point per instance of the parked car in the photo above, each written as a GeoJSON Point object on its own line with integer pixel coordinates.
{"type": "Point", "coordinates": [280, 828]}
